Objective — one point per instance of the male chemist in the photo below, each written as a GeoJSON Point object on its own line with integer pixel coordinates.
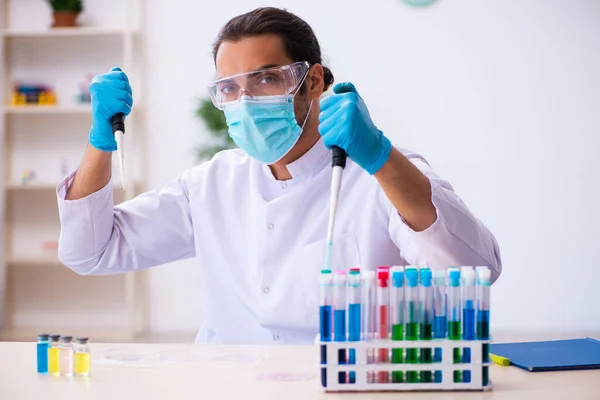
{"type": "Point", "coordinates": [255, 218]}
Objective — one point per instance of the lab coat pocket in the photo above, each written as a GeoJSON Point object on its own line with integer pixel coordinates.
{"type": "Point", "coordinates": [311, 260]}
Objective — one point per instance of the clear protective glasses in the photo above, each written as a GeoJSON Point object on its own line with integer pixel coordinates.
{"type": "Point", "coordinates": [274, 81]}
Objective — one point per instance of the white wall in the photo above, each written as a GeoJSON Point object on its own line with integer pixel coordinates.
{"type": "Point", "coordinates": [502, 97]}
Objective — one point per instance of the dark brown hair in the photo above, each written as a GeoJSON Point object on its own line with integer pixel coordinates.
{"type": "Point", "coordinates": [298, 37]}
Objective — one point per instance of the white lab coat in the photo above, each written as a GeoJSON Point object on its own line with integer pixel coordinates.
{"type": "Point", "coordinates": [261, 242]}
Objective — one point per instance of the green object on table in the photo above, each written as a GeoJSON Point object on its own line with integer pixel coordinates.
{"type": "Point", "coordinates": [499, 360]}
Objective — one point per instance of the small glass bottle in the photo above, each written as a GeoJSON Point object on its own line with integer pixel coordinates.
{"type": "Point", "coordinates": [54, 355]}
{"type": "Point", "coordinates": [42, 353]}
{"type": "Point", "coordinates": [66, 356]}
{"type": "Point", "coordinates": [82, 356]}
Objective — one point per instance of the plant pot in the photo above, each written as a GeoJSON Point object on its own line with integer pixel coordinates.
{"type": "Point", "coordinates": [65, 19]}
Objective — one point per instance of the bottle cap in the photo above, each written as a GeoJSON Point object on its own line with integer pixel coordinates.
{"type": "Point", "coordinates": [454, 277]}
{"type": "Point", "coordinates": [412, 276]}
{"type": "Point", "coordinates": [397, 276]}
{"type": "Point", "coordinates": [425, 276]}
{"type": "Point", "coordinates": [485, 277]}
{"type": "Point", "coordinates": [439, 277]}
{"type": "Point", "coordinates": [66, 339]}
{"type": "Point", "coordinates": [43, 336]}
{"type": "Point", "coordinates": [383, 274]}
{"type": "Point", "coordinates": [81, 340]}
{"type": "Point", "coordinates": [54, 338]}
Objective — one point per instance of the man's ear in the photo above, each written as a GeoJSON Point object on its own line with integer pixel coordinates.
{"type": "Point", "coordinates": [316, 81]}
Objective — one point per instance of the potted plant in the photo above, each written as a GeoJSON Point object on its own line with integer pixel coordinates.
{"type": "Point", "coordinates": [65, 12]}
{"type": "Point", "coordinates": [214, 120]}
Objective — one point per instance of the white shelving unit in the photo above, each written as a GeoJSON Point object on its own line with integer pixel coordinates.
{"type": "Point", "coordinates": [38, 293]}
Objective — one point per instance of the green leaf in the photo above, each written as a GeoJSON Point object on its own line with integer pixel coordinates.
{"type": "Point", "coordinates": [66, 5]}
{"type": "Point", "coordinates": [213, 117]}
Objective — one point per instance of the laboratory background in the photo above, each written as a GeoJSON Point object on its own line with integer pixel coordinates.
{"type": "Point", "coordinates": [501, 96]}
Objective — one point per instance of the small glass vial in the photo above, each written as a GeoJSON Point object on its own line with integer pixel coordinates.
{"type": "Point", "coordinates": [54, 355]}
{"type": "Point", "coordinates": [66, 356]}
{"type": "Point", "coordinates": [82, 361]}
{"type": "Point", "coordinates": [42, 353]}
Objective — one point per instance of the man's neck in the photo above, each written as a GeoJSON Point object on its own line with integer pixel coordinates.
{"type": "Point", "coordinates": [304, 144]}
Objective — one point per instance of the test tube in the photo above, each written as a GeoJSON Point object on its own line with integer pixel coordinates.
{"type": "Point", "coordinates": [325, 299]}
{"type": "Point", "coordinates": [66, 356]}
{"type": "Point", "coordinates": [383, 303]}
{"type": "Point", "coordinates": [325, 318]}
{"type": "Point", "coordinates": [412, 319]}
{"type": "Point", "coordinates": [368, 308]}
{"type": "Point", "coordinates": [339, 317]}
{"type": "Point", "coordinates": [439, 316]}
{"type": "Point", "coordinates": [397, 312]}
{"type": "Point", "coordinates": [354, 320]}
{"type": "Point", "coordinates": [426, 320]}
{"type": "Point", "coordinates": [82, 361]}
{"type": "Point", "coordinates": [54, 355]}
{"type": "Point", "coordinates": [484, 281]}
{"type": "Point", "coordinates": [42, 353]}
{"type": "Point", "coordinates": [467, 289]}
{"type": "Point", "coordinates": [454, 316]}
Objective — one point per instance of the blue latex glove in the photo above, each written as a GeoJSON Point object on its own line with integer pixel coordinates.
{"type": "Point", "coordinates": [111, 94]}
{"type": "Point", "coordinates": [345, 122]}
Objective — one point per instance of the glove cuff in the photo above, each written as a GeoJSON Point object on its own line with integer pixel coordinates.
{"type": "Point", "coordinates": [384, 150]}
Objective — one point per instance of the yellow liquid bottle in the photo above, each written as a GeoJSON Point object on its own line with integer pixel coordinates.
{"type": "Point", "coordinates": [82, 359]}
{"type": "Point", "coordinates": [54, 356]}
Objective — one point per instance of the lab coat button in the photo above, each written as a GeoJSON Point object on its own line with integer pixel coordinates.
{"type": "Point", "coordinates": [276, 338]}
{"type": "Point", "coordinates": [271, 226]}
{"type": "Point", "coordinates": [266, 290]}
{"type": "Point", "coordinates": [283, 185]}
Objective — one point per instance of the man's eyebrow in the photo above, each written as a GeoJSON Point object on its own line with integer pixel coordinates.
{"type": "Point", "coordinates": [266, 66]}
{"type": "Point", "coordinates": [251, 73]}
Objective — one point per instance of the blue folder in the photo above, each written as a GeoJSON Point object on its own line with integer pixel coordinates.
{"type": "Point", "coordinates": [555, 355]}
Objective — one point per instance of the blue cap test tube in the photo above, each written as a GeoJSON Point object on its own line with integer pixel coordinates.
{"type": "Point", "coordinates": [468, 306]}
{"type": "Point", "coordinates": [454, 311]}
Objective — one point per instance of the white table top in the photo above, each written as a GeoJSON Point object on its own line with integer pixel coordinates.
{"type": "Point", "coordinates": [227, 379]}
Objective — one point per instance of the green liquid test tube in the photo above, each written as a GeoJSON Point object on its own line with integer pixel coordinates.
{"type": "Point", "coordinates": [412, 320]}
{"type": "Point", "coordinates": [454, 311]}
{"type": "Point", "coordinates": [397, 309]}
{"type": "Point", "coordinates": [426, 321]}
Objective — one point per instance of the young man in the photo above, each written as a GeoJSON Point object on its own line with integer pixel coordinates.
{"type": "Point", "coordinates": [256, 217]}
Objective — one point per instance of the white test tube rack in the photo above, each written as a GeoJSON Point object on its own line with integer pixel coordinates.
{"type": "Point", "coordinates": [361, 368]}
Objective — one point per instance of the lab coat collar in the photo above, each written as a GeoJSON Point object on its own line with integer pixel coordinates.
{"type": "Point", "coordinates": [313, 161]}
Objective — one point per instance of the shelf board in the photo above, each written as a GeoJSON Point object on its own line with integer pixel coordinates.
{"type": "Point", "coordinates": [95, 334]}
{"type": "Point", "coordinates": [45, 261]}
{"type": "Point", "coordinates": [63, 32]}
{"type": "Point", "coordinates": [77, 109]}
{"type": "Point", "coordinates": [32, 187]}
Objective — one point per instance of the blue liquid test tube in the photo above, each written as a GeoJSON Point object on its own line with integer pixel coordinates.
{"type": "Point", "coordinates": [325, 318]}
{"type": "Point", "coordinates": [354, 320]}
{"type": "Point", "coordinates": [369, 317]}
{"type": "Point", "coordinates": [339, 317]}
{"type": "Point", "coordinates": [439, 316]}
{"type": "Point", "coordinates": [484, 281]}
{"type": "Point", "coordinates": [468, 307]}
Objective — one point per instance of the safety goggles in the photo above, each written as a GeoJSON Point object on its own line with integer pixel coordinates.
{"type": "Point", "coordinates": [274, 81]}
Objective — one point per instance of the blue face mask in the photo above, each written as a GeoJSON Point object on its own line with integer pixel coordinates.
{"type": "Point", "coordinates": [265, 128]}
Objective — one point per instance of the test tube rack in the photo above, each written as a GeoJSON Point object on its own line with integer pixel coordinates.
{"type": "Point", "coordinates": [330, 368]}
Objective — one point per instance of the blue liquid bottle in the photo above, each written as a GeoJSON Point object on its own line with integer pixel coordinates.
{"type": "Point", "coordinates": [42, 353]}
